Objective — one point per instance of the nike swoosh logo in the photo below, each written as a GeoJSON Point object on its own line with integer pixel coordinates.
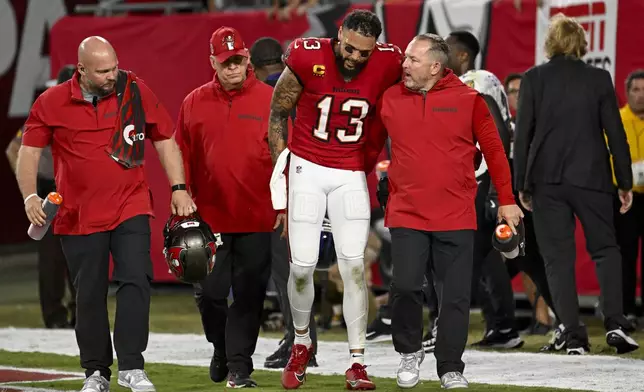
{"type": "Point", "coordinates": [354, 383]}
{"type": "Point", "coordinates": [300, 377]}
{"type": "Point", "coordinates": [559, 346]}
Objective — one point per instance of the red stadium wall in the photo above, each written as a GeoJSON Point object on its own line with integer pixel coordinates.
{"type": "Point", "coordinates": [171, 54]}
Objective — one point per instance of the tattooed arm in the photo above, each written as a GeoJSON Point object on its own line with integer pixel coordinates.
{"type": "Point", "coordinates": [285, 95]}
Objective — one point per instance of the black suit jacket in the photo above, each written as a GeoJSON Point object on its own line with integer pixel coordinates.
{"type": "Point", "coordinates": [565, 108]}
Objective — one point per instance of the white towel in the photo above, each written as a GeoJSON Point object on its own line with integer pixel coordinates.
{"type": "Point", "coordinates": [278, 182]}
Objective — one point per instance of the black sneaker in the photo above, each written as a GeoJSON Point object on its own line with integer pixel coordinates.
{"type": "Point", "coordinates": [274, 361]}
{"type": "Point", "coordinates": [621, 341]}
{"type": "Point", "coordinates": [240, 380]}
{"type": "Point", "coordinates": [581, 350]}
{"type": "Point", "coordinates": [218, 366]}
{"type": "Point", "coordinates": [500, 339]}
{"type": "Point", "coordinates": [557, 342]}
{"type": "Point", "coordinates": [379, 330]}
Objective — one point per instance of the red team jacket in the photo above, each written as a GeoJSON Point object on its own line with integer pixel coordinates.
{"type": "Point", "coordinates": [334, 117]}
{"type": "Point", "coordinates": [98, 192]}
{"type": "Point", "coordinates": [432, 183]}
{"type": "Point", "coordinates": [223, 136]}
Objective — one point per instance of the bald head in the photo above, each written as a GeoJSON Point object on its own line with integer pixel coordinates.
{"type": "Point", "coordinates": [98, 65]}
{"type": "Point", "coordinates": [94, 48]}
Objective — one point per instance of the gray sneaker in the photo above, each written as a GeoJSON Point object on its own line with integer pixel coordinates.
{"type": "Point", "coordinates": [408, 372]}
{"type": "Point", "coordinates": [96, 383]}
{"type": "Point", "coordinates": [454, 380]}
{"type": "Point", "coordinates": [136, 379]}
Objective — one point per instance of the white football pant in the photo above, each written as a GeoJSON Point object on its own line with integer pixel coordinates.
{"type": "Point", "coordinates": [313, 191]}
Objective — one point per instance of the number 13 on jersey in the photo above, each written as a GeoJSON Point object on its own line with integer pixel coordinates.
{"type": "Point", "coordinates": [356, 109]}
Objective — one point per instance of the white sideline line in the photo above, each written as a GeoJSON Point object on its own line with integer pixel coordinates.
{"type": "Point", "coordinates": [589, 372]}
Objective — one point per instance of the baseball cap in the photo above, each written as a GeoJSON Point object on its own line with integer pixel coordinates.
{"type": "Point", "coordinates": [227, 42]}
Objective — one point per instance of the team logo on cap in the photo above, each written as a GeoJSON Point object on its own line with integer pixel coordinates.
{"type": "Point", "coordinates": [229, 41]}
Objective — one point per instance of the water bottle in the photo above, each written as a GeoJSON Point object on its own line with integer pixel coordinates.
{"type": "Point", "coordinates": [381, 169]}
{"type": "Point", "coordinates": [506, 242]}
{"type": "Point", "coordinates": [50, 206]}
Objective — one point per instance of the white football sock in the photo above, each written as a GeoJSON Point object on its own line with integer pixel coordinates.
{"type": "Point", "coordinates": [356, 358]}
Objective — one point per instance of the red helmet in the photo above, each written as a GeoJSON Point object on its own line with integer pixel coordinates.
{"type": "Point", "coordinates": [189, 247]}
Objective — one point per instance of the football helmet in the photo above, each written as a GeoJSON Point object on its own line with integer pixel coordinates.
{"type": "Point", "coordinates": [189, 247]}
{"type": "Point", "coordinates": [327, 256]}
{"type": "Point", "coordinates": [485, 82]}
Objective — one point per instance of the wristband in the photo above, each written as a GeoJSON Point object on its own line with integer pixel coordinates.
{"type": "Point", "coordinates": [29, 197]}
{"type": "Point", "coordinates": [179, 187]}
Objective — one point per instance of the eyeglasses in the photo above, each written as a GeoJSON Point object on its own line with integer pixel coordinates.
{"type": "Point", "coordinates": [350, 49]}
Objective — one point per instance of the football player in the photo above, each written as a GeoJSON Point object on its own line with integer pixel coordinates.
{"type": "Point", "coordinates": [335, 85]}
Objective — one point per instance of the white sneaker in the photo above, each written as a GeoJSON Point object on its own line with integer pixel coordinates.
{"type": "Point", "coordinates": [137, 380]}
{"type": "Point", "coordinates": [454, 380]}
{"type": "Point", "coordinates": [96, 383]}
{"type": "Point", "coordinates": [408, 372]}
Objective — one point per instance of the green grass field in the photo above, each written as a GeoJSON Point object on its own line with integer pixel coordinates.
{"type": "Point", "coordinates": [173, 378]}
{"type": "Point", "coordinates": [177, 313]}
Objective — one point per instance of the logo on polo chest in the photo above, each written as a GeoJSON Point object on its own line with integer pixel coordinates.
{"type": "Point", "coordinates": [444, 109]}
{"type": "Point", "coordinates": [249, 117]}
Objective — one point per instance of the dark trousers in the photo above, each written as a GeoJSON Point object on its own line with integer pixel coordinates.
{"type": "Point", "coordinates": [495, 293]}
{"type": "Point", "coordinates": [532, 263]}
{"type": "Point", "coordinates": [53, 275]}
{"type": "Point", "coordinates": [429, 298]}
{"type": "Point", "coordinates": [280, 270]}
{"type": "Point", "coordinates": [630, 231]}
{"type": "Point", "coordinates": [491, 285]}
{"type": "Point", "coordinates": [450, 256]}
{"type": "Point", "coordinates": [555, 208]}
{"type": "Point", "coordinates": [243, 262]}
{"type": "Point", "coordinates": [88, 257]}
{"type": "Point", "coordinates": [491, 281]}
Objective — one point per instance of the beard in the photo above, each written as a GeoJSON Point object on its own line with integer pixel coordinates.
{"type": "Point", "coordinates": [100, 91]}
{"type": "Point", "coordinates": [348, 73]}
{"type": "Point", "coordinates": [415, 84]}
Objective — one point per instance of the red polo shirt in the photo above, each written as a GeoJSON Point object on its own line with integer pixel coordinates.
{"type": "Point", "coordinates": [98, 192]}
{"type": "Point", "coordinates": [223, 136]}
{"type": "Point", "coordinates": [433, 143]}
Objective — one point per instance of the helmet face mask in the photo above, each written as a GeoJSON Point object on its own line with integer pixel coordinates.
{"type": "Point", "coordinates": [189, 248]}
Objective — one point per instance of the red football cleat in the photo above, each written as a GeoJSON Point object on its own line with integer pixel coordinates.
{"type": "Point", "coordinates": [294, 373]}
{"type": "Point", "coordinates": [358, 380]}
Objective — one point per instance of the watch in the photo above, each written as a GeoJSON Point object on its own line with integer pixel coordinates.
{"type": "Point", "coordinates": [179, 187]}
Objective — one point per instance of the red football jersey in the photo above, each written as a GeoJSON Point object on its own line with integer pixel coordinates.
{"type": "Point", "coordinates": [333, 116]}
